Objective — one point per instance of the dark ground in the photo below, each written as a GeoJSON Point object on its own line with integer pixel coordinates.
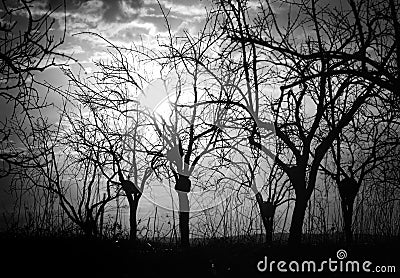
{"type": "Point", "coordinates": [77, 257]}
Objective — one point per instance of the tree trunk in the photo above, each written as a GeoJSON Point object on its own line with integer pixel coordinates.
{"type": "Point", "coordinates": [184, 218]}
{"type": "Point", "coordinates": [296, 226]}
{"type": "Point", "coordinates": [133, 205]}
{"type": "Point", "coordinates": [347, 210]}
{"type": "Point", "coordinates": [269, 229]}
{"type": "Point", "coordinates": [90, 229]}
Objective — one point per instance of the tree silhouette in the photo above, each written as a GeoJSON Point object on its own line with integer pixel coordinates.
{"type": "Point", "coordinates": [67, 170]}
{"type": "Point", "coordinates": [27, 46]}
{"type": "Point", "coordinates": [251, 168]}
{"type": "Point", "coordinates": [366, 143]}
{"type": "Point", "coordinates": [186, 140]}
{"type": "Point", "coordinates": [312, 73]}
{"type": "Point", "coordinates": [116, 125]}
{"type": "Point", "coordinates": [192, 130]}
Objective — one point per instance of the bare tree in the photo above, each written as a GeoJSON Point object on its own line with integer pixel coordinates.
{"type": "Point", "coordinates": [296, 52]}
{"type": "Point", "coordinates": [116, 125]}
{"type": "Point", "coordinates": [192, 130]}
{"type": "Point", "coordinates": [369, 141]}
{"type": "Point", "coordinates": [189, 135]}
{"type": "Point", "coordinates": [68, 172]}
{"type": "Point", "coordinates": [251, 168]}
{"type": "Point", "coordinates": [27, 46]}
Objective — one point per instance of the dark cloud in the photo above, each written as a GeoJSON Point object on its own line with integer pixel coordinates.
{"type": "Point", "coordinates": [112, 10]}
{"type": "Point", "coordinates": [121, 11]}
{"type": "Point", "coordinates": [70, 4]}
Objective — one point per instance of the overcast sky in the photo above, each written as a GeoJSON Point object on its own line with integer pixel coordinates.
{"type": "Point", "coordinates": [122, 22]}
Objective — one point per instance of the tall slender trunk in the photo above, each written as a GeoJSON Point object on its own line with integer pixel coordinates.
{"type": "Point", "coordinates": [102, 216]}
{"type": "Point", "coordinates": [184, 218]}
{"type": "Point", "coordinates": [89, 228]}
{"type": "Point", "coordinates": [347, 210]}
{"type": "Point", "coordinates": [133, 201]}
{"type": "Point", "coordinates": [299, 212]}
{"type": "Point", "coordinates": [348, 189]}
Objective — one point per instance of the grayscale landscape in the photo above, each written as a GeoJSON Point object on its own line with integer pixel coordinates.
{"type": "Point", "coordinates": [199, 138]}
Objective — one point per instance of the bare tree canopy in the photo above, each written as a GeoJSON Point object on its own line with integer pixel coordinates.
{"type": "Point", "coordinates": [27, 46]}
{"type": "Point", "coordinates": [215, 136]}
